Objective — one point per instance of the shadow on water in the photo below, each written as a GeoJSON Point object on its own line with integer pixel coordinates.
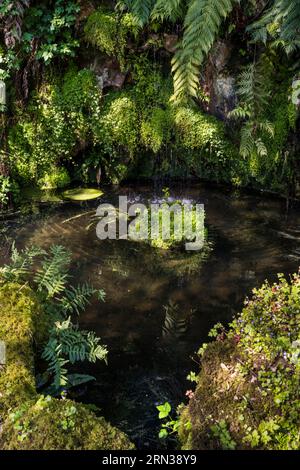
{"type": "Point", "coordinates": [159, 308]}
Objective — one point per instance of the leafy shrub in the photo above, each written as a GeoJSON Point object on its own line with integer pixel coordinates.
{"type": "Point", "coordinates": [118, 125]}
{"type": "Point", "coordinates": [8, 189]}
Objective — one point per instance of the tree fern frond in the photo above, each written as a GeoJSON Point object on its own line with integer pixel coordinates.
{"type": "Point", "coordinates": [247, 145]}
{"type": "Point", "coordinates": [167, 10]}
{"type": "Point", "coordinates": [52, 274]}
{"type": "Point", "coordinates": [289, 14]}
{"type": "Point", "coordinates": [201, 26]}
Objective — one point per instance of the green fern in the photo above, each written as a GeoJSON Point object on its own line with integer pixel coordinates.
{"type": "Point", "coordinates": [165, 10]}
{"type": "Point", "coordinates": [52, 275]}
{"type": "Point", "coordinates": [141, 9]}
{"type": "Point", "coordinates": [284, 15]}
{"type": "Point", "coordinates": [201, 26]}
{"type": "Point", "coordinates": [68, 344]}
{"type": "Point", "coordinates": [48, 273]}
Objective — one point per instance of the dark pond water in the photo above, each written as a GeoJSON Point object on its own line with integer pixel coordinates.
{"type": "Point", "coordinates": [152, 349]}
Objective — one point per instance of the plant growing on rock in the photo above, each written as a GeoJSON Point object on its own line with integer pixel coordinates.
{"type": "Point", "coordinates": [48, 273]}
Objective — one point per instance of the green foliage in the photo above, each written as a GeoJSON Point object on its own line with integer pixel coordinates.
{"type": "Point", "coordinates": [54, 125]}
{"type": "Point", "coordinates": [250, 375]}
{"type": "Point", "coordinates": [25, 415]}
{"type": "Point", "coordinates": [118, 125]}
{"type": "Point", "coordinates": [170, 426]}
{"type": "Point", "coordinates": [109, 33]}
{"type": "Point", "coordinates": [68, 344]}
{"type": "Point", "coordinates": [156, 130]}
{"type": "Point", "coordinates": [201, 27]}
{"type": "Point", "coordinates": [49, 274]}
{"type": "Point", "coordinates": [58, 178]}
{"type": "Point", "coordinates": [8, 190]}
{"type": "Point", "coordinates": [68, 426]}
{"type": "Point", "coordinates": [220, 432]}
{"type": "Point", "coordinates": [254, 90]}
{"type": "Point", "coordinates": [280, 23]}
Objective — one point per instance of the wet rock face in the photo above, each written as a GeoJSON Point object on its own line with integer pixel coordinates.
{"type": "Point", "coordinates": [108, 73]}
{"type": "Point", "coordinates": [170, 42]}
{"type": "Point", "coordinates": [218, 82]}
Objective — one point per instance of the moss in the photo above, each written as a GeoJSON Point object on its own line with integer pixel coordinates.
{"type": "Point", "coordinates": [50, 424]}
{"type": "Point", "coordinates": [56, 179]}
{"type": "Point", "coordinates": [20, 314]}
{"type": "Point", "coordinates": [30, 421]}
{"type": "Point", "coordinates": [82, 194]}
{"type": "Point", "coordinates": [249, 378]}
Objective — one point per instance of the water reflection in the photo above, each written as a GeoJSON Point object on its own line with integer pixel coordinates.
{"type": "Point", "coordinates": [251, 239]}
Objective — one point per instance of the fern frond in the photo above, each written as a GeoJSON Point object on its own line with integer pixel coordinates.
{"type": "Point", "coordinates": [201, 26]}
{"type": "Point", "coordinates": [52, 275]}
{"type": "Point", "coordinates": [141, 9]}
{"type": "Point", "coordinates": [68, 344]}
{"type": "Point", "coordinates": [247, 145]}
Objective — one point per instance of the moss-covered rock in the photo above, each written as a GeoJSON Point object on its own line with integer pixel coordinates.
{"type": "Point", "coordinates": [247, 395]}
{"type": "Point", "coordinates": [30, 421]}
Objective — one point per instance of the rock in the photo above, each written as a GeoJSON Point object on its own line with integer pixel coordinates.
{"type": "Point", "coordinates": [108, 73]}
{"type": "Point", "coordinates": [170, 42]}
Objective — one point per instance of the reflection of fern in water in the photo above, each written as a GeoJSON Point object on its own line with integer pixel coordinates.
{"type": "Point", "coordinates": [49, 276]}
{"type": "Point", "coordinates": [176, 322]}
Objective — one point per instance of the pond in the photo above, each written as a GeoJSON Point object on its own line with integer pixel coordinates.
{"type": "Point", "coordinates": [160, 308]}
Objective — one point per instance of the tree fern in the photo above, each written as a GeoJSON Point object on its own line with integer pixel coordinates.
{"type": "Point", "coordinates": [201, 26]}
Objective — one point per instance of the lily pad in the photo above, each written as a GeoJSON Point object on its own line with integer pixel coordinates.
{"type": "Point", "coordinates": [82, 194]}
